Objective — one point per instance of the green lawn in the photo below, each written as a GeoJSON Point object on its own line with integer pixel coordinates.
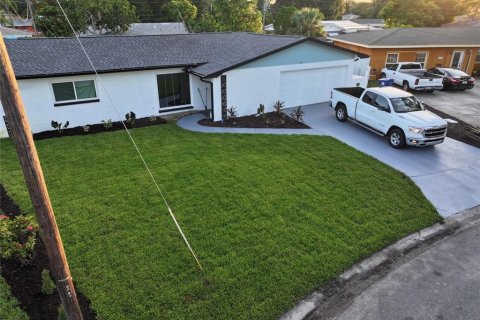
{"type": "Point", "coordinates": [270, 217]}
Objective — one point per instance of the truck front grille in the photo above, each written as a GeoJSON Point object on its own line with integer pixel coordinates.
{"type": "Point", "coordinates": [435, 132]}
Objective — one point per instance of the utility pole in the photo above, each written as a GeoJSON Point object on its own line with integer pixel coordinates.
{"type": "Point", "coordinates": [30, 8]}
{"type": "Point", "coordinates": [32, 172]}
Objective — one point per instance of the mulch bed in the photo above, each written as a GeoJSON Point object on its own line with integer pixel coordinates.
{"type": "Point", "coordinates": [97, 128]}
{"type": "Point", "coordinates": [26, 281]}
{"type": "Point", "coordinates": [272, 120]}
{"type": "Point", "coordinates": [459, 131]}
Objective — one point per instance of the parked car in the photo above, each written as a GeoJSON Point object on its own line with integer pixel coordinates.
{"type": "Point", "coordinates": [411, 75]}
{"type": "Point", "coordinates": [389, 112]}
{"type": "Point", "coordinates": [454, 78]}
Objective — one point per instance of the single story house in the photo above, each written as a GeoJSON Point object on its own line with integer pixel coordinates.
{"type": "Point", "coordinates": [11, 33]}
{"type": "Point", "coordinates": [162, 74]}
{"type": "Point", "coordinates": [336, 27]}
{"type": "Point", "coordinates": [432, 47]}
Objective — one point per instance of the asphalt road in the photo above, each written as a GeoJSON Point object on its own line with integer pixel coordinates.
{"type": "Point", "coordinates": [464, 105]}
{"type": "Point", "coordinates": [439, 283]}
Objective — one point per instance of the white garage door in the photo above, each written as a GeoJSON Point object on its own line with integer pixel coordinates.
{"type": "Point", "coordinates": [303, 87]}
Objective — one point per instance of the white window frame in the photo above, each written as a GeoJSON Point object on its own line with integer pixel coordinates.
{"type": "Point", "coordinates": [424, 62]}
{"type": "Point", "coordinates": [388, 64]}
{"type": "Point", "coordinates": [76, 100]}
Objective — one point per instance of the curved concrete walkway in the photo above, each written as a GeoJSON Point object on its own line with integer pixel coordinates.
{"type": "Point", "coordinates": [448, 174]}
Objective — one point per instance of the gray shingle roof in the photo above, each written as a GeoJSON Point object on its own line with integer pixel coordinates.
{"type": "Point", "coordinates": [414, 37]}
{"type": "Point", "coordinates": [206, 53]}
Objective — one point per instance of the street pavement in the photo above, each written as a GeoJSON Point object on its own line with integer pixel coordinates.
{"type": "Point", "coordinates": [441, 282]}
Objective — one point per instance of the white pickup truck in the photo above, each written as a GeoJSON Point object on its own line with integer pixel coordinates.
{"type": "Point", "coordinates": [389, 112]}
{"type": "Point", "coordinates": [411, 75]}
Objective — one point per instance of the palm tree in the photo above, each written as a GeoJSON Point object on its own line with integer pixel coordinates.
{"type": "Point", "coordinates": [306, 22]}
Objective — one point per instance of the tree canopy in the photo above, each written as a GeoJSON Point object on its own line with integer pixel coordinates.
{"type": "Point", "coordinates": [412, 13]}
{"type": "Point", "coordinates": [283, 19]}
{"type": "Point", "coordinates": [306, 22]}
{"type": "Point", "coordinates": [332, 9]}
{"type": "Point", "coordinates": [470, 7]}
{"type": "Point", "coordinates": [86, 16]}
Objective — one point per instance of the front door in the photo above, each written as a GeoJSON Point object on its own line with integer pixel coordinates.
{"type": "Point", "coordinates": [457, 59]}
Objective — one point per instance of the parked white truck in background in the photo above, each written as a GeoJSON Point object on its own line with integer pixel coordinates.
{"type": "Point", "coordinates": [411, 75]}
{"type": "Point", "coordinates": [389, 112]}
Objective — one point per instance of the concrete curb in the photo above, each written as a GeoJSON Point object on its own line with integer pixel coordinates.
{"type": "Point", "coordinates": [460, 221]}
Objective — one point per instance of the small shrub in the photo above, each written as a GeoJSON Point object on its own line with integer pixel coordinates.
{"type": "Point", "coordinates": [297, 114]}
{"type": "Point", "coordinates": [261, 111]}
{"type": "Point", "coordinates": [107, 124]}
{"type": "Point", "coordinates": [279, 106]}
{"type": "Point", "coordinates": [86, 128]}
{"type": "Point", "coordinates": [58, 126]}
{"type": "Point", "coordinates": [17, 238]}
{"type": "Point", "coordinates": [130, 118]}
{"type": "Point", "coordinates": [48, 286]}
{"type": "Point", "coordinates": [61, 313]}
{"type": "Point", "coordinates": [231, 113]}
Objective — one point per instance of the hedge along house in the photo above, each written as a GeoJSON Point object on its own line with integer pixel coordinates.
{"type": "Point", "coordinates": [152, 75]}
{"type": "Point", "coordinates": [456, 47]}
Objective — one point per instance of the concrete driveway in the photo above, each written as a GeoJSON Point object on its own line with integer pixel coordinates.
{"type": "Point", "coordinates": [464, 105]}
{"type": "Point", "coordinates": [448, 174]}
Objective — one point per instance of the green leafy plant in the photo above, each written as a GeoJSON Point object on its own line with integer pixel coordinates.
{"type": "Point", "coordinates": [61, 313]}
{"type": "Point", "coordinates": [59, 127]}
{"type": "Point", "coordinates": [232, 113]}
{"type": "Point", "coordinates": [107, 124]}
{"type": "Point", "coordinates": [86, 128]}
{"type": "Point", "coordinates": [130, 118]}
{"type": "Point", "coordinates": [152, 118]}
{"type": "Point", "coordinates": [261, 111]}
{"type": "Point", "coordinates": [48, 286]}
{"type": "Point", "coordinates": [279, 106]}
{"type": "Point", "coordinates": [297, 114]}
{"type": "Point", "coordinates": [17, 238]}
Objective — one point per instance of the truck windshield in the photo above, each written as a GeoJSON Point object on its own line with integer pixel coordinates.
{"type": "Point", "coordinates": [406, 104]}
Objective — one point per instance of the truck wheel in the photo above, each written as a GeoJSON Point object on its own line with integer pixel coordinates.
{"type": "Point", "coordinates": [383, 75]}
{"type": "Point", "coordinates": [406, 87]}
{"type": "Point", "coordinates": [341, 112]}
{"type": "Point", "coordinates": [396, 138]}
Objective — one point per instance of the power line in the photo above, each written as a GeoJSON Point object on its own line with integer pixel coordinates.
{"type": "Point", "coordinates": [132, 140]}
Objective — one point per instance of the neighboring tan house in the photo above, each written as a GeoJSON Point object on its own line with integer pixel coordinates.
{"type": "Point", "coordinates": [433, 47]}
{"type": "Point", "coordinates": [163, 74]}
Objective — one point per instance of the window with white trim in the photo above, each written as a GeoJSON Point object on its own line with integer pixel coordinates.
{"type": "Point", "coordinates": [421, 57]}
{"type": "Point", "coordinates": [392, 58]}
{"type": "Point", "coordinates": [74, 92]}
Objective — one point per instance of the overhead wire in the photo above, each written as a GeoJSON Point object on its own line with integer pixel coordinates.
{"type": "Point", "coordinates": [157, 186]}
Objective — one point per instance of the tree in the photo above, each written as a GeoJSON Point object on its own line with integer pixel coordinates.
{"type": "Point", "coordinates": [401, 13]}
{"type": "Point", "coordinates": [306, 22]}
{"type": "Point", "coordinates": [368, 10]}
{"type": "Point", "coordinates": [94, 16]}
{"type": "Point", "coordinates": [150, 11]}
{"type": "Point", "coordinates": [283, 19]}
{"type": "Point", "coordinates": [332, 9]}
{"type": "Point", "coordinates": [237, 15]}
{"type": "Point", "coordinates": [471, 8]}
{"type": "Point", "coordinates": [449, 9]}
{"type": "Point", "coordinates": [182, 10]}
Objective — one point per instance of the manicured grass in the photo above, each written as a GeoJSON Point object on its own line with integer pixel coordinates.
{"type": "Point", "coordinates": [270, 217]}
{"type": "Point", "coordinates": [9, 308]}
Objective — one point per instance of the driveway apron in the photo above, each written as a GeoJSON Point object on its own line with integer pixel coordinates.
{"type": "Point", "coordinates": [448, 174]}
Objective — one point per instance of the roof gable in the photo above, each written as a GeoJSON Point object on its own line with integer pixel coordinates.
{"type": "Point", "coordinates": [305, 52]}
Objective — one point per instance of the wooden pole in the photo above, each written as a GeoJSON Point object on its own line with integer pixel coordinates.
{"type": "Point", "coordinates": [32, 172]}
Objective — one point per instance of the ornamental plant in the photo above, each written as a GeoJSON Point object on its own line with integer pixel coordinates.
{"type": "Point", "coordinates": [17, 238]}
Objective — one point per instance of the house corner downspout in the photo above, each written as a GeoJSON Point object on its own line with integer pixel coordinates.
{"type": "Point", "coordinates": [189, 70]}
{"type": "Point", "coordinates": [211, 94]}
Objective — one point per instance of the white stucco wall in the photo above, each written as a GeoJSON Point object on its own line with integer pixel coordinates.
{"type": "Point", "coordinates": [130, 91]}
{"type": "Point", "coordinates": [247, 88]}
